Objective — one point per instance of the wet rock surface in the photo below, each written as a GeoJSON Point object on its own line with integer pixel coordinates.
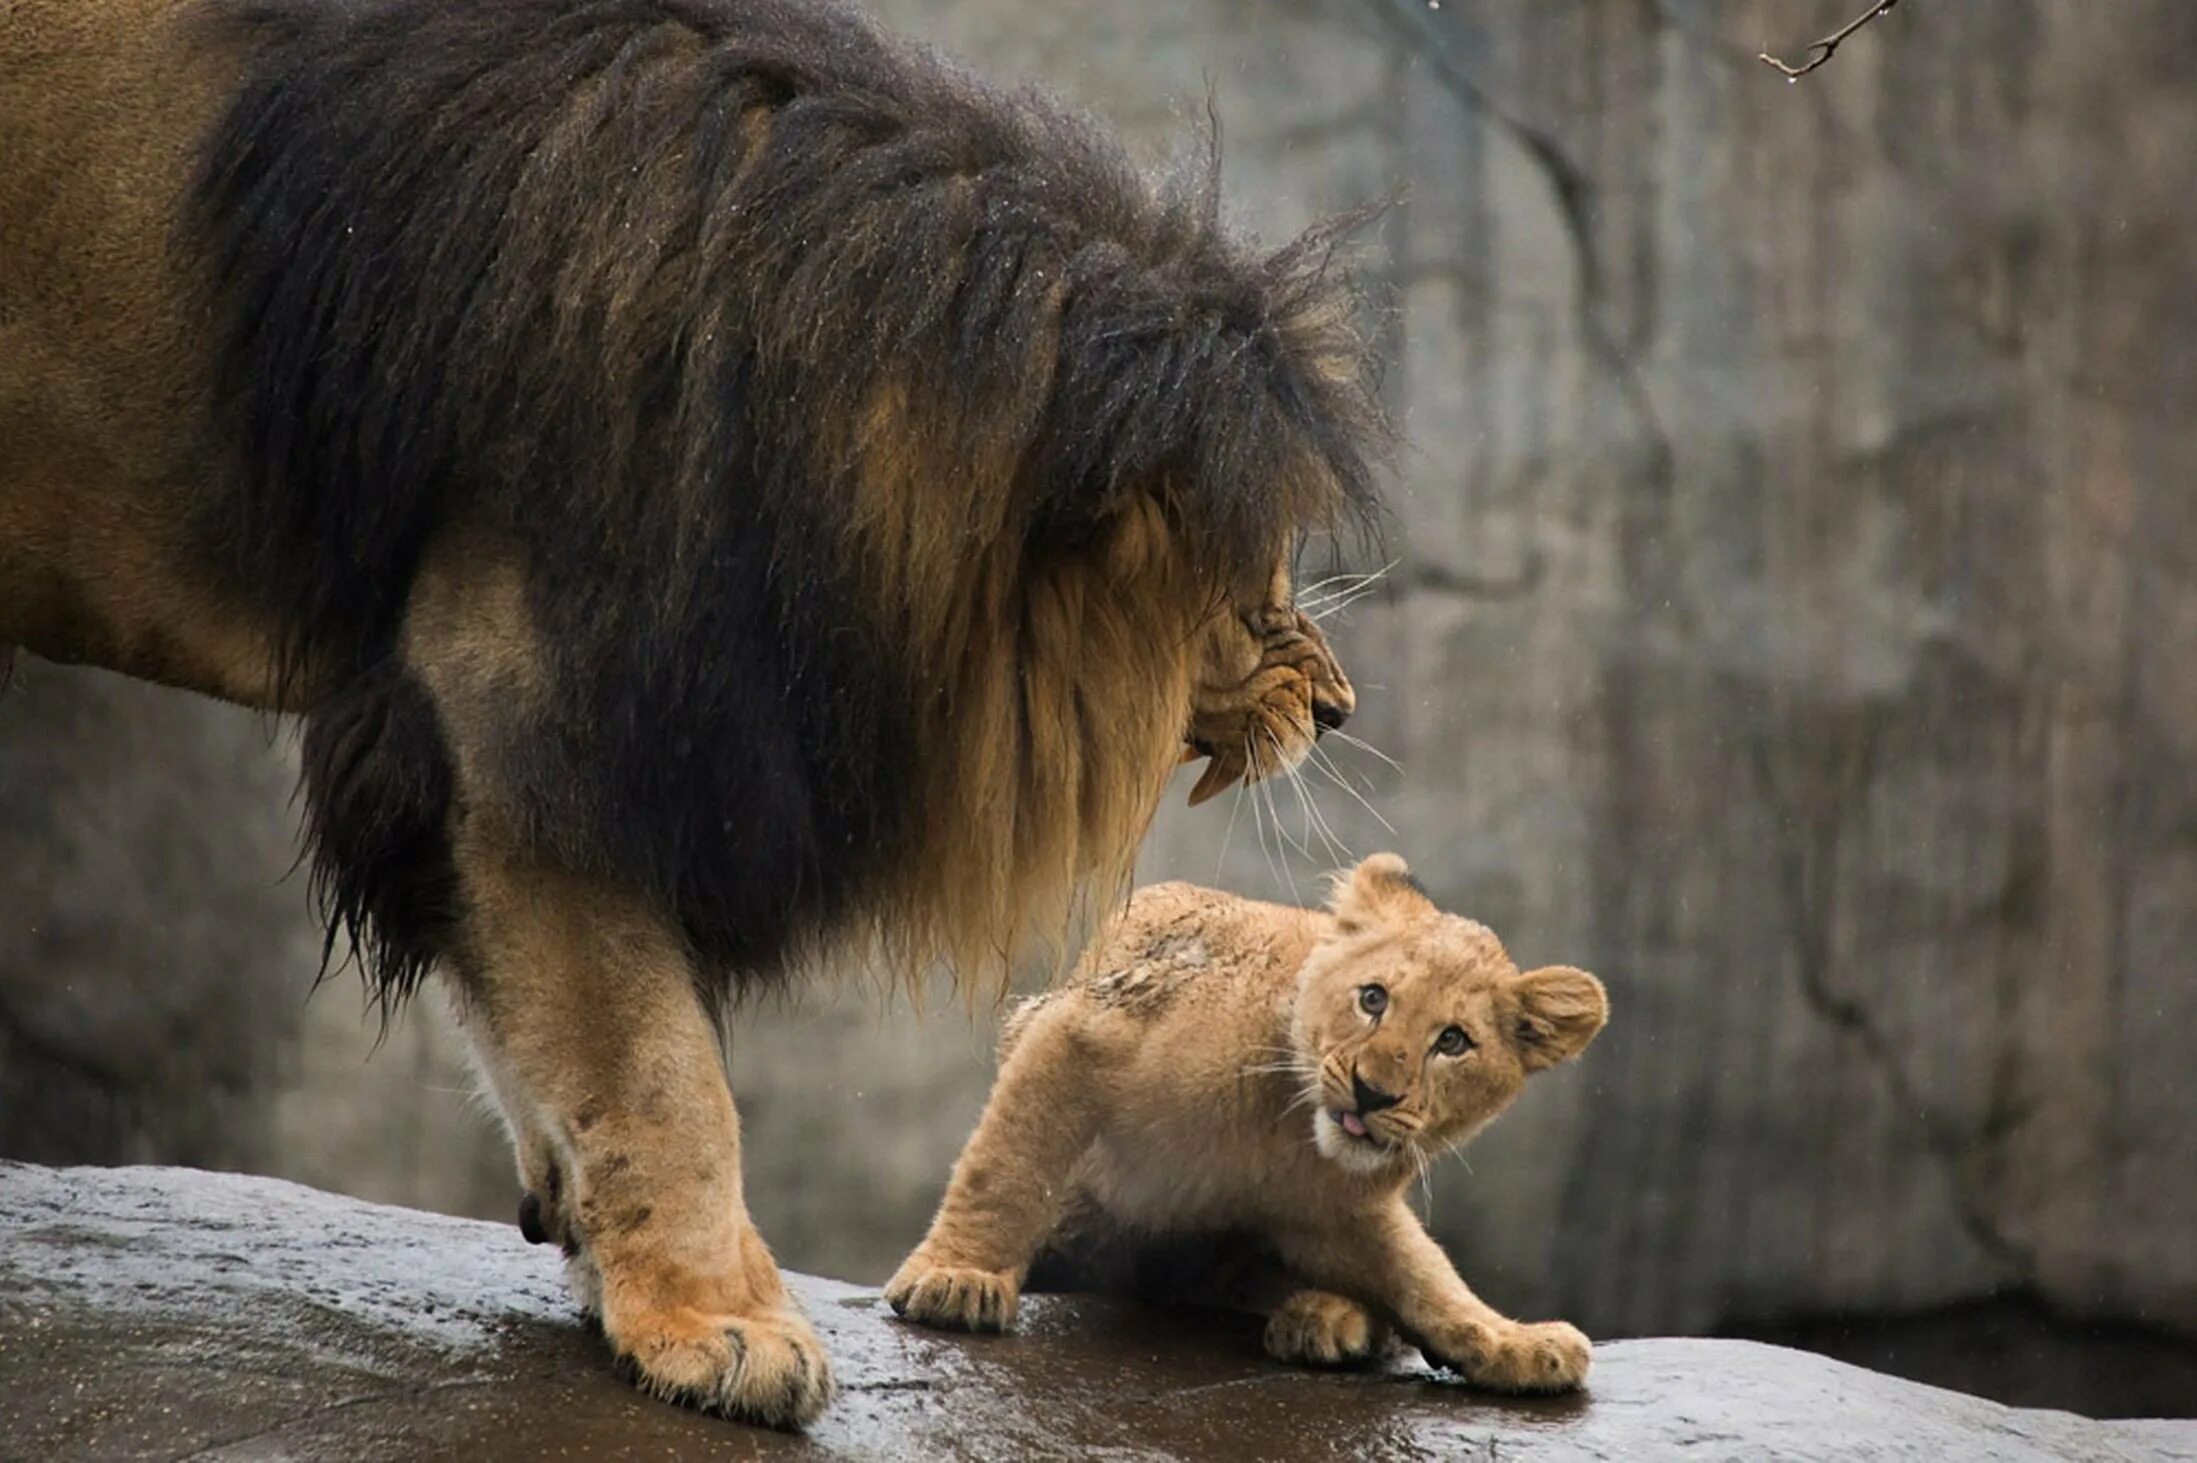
{"type": "Point", "coordinates": [168, 1313]}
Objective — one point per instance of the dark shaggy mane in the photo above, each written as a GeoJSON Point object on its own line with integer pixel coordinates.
{"type": "Point", "coordinates": [657, 291]}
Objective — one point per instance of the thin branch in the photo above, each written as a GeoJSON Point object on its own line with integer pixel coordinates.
{"type": "Point", "coordinates": [1824, 49]}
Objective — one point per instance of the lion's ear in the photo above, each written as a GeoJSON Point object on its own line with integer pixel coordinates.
{"type": "Point", "coordinates": [1380, 891]}
{"type": "Point", "coordinates": [1559, 1011]}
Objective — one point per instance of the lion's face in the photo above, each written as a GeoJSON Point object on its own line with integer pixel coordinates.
{"type": "Point", "coordinates": [1416, 1029]}
{"type": "Point", "coordinates": [1267, 688]}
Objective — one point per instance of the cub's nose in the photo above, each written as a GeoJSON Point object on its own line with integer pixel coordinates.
{"type": "Point", "coordinates": [1327, 717]}
{"type": "Point", "coordinates": [1370, 1099]}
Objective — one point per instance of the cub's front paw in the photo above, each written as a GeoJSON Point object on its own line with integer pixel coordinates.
{"type": "Point", "coordinates": [764, 1367]}
{"type": "Point", "coordinates": [1551, 1356]}
{"type": "Point", "coordinates": [1316, 1328]}
{"type": "Point", "coordinates": [954, 1297]}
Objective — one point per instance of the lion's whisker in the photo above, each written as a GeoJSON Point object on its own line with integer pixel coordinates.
{"type": "Point", "coordinates": [1367, 747]}
{"type": "Point", "coordinates": [1310, 595]}
{"type": "Point", "coordinates": [1235, 807]}
{"type": "Point", "coordinates": [1337, 772]}
{"type": "Point", "coordinates": [1258, 814]}
{"type": "Point", "coordinates": [1336, 606]}
{"type": "Point", "coordinates": [1281, 829]}
{"type": "Point", "coordinates": [1317, 821]}
{"type": "Point", "coordinates": [1314, 595]}
{"type": "Point", "coordinates": [1312, 822]}
{"type": "Point", "coordinates": [1307, 591]}
{"type": "Point", "coordinates": [1334, 840]}
{"type": "Point", "coordinates": [1346, 787]}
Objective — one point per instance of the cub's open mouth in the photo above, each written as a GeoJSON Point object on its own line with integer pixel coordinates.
{"type": "Point", "coordinates": [1355, 1126]}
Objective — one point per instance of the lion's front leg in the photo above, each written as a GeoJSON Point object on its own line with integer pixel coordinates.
{"type": "Point", "coordinates": [547, 1214]}
{"type": "Point", "coordinates": [584, 1010]}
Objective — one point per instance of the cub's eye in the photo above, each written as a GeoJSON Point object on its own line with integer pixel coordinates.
{"type": "Point", "coordinates": [1453, 1041]}
{"type": "Point", "coordinates": [1373, 999]}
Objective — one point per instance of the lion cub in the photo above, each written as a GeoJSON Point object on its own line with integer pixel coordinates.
{"type": "Point", "coordinates": [1166, 1090]}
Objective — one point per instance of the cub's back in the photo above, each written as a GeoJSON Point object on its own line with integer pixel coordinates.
{"type": "Point", "coordinates": [1180, 951]}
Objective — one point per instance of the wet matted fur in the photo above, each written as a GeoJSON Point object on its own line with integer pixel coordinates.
{"type": "Point", "coordinates": [869, 441]}
{"type": "Point", "coordinates": [718, 484]}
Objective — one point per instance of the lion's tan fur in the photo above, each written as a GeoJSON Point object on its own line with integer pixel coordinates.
{"type": "Point", "coordinates": [103, 377]}
{"type": "Point", "coordinates": [1186, 1083]}
{"type": "Point", "coordinates": [1064, 688]}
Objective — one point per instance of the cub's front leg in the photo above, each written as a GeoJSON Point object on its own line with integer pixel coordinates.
{"type": "Point", "coordinates": [1010, 1185]}
{"type": "Point", "coordinates": [1394, 1264]}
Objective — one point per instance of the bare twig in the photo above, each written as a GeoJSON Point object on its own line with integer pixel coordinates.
{"type": "Point", "coordinates": [1822, 50]}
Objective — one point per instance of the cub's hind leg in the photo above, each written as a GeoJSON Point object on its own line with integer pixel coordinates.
{"type": "Point", "coordinates": [1388, 1257]}
{"type": "Point", "coordinates": [1321, 1328]}
{"type": "Point", "coordinates": [583, 1003]}
{"type": "Point", "coordinates": [1009, 1187]}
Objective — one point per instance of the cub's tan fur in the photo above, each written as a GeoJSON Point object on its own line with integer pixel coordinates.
{"type": "Point", "coordinates": [1224, 1066]}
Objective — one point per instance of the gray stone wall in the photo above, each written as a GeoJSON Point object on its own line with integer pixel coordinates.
{"type": "Point", "coordinates": [1794, 620]}
{"type": "Point", "coordinates": [1795, 615]}
{"type": "Point", "coordinates": [157, 954]}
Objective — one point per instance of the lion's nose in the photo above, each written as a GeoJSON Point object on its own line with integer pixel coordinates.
{"type": "Point", "coordinates": [1327, 717]}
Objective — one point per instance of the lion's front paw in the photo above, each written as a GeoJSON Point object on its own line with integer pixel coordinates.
{"type": "Point", "coordinates": [954, 1297]}
{"type": "Point", "coordinates": [1316, 1328]}
{"type": "Point", "coordinates": [1551, 1356]}
{"type": "Point", "coordinates": [766, 1367]}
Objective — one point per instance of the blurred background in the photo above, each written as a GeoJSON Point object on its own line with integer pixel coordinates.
{"type": "Point", "coordinates": [1793, 618]}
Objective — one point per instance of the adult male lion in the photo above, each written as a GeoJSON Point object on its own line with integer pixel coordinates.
{"type": "Point", "coordinates": [720, 487]}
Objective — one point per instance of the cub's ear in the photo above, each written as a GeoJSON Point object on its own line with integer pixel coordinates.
{"type": "Point", "coordinates": [1380, 891]}
{"type": "Point", "coordinates": [1559, 1011]}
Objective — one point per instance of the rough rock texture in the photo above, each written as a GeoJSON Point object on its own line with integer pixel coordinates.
{"type": "Point", "coordinates": [1793, 623]}
{"type": "Point", "coordinates": [161, 1313]}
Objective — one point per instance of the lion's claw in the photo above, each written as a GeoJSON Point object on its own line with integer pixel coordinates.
{"type": "Point", "coordinates": [767, 1368]}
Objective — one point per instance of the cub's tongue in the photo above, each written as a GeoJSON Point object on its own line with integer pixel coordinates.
{"type": "Point", "coordinates": [1352, 1124]}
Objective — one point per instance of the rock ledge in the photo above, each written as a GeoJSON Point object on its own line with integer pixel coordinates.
{"type": "Point", "coordinates": [164, 1313]}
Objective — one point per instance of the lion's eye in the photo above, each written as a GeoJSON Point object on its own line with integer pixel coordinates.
{"type": "Point", "coordinates": [1453, 1041]}
{"type": "Point", "coordinates": [1373, 999]}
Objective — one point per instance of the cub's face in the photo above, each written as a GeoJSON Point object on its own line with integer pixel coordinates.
{"type": "Point", "coordinates": [1267, 688]}
{"type": "Point", "coordinates": [1416, 1028]}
